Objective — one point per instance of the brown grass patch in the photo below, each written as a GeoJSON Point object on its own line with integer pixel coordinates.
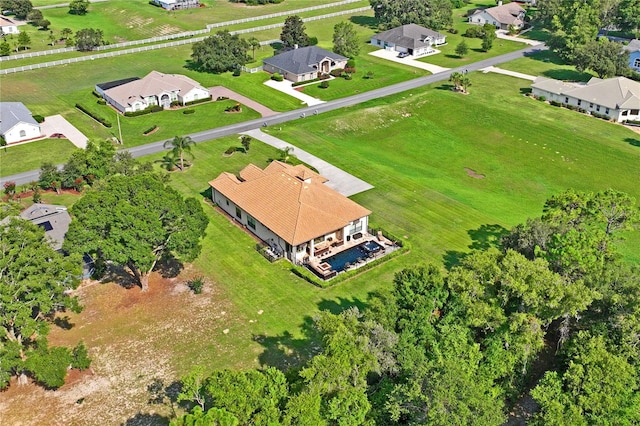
{"type": "Point", "coordinates": [472, 173]}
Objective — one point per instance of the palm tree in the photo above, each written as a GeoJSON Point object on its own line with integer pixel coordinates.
{"type": "Point", "coordinates": [254, 44]}
{"type": "Point", "coordinates": [456, 79]}
{"type": "Point", "coordinates": [179, 146]}
{"type": "Point", "coordinates": [285, 153]}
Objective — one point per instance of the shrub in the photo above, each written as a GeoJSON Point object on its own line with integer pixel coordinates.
{"type": "Point", "coordinates": [80, 357]}
{"type": "Point", "coordinates": [347, 76]}
{"type": "Point", "coordinates": [351, 63]}
{"type": "Point", "coordinates": [10, 187]}
{"type": "Point", "coordinates": [542, 98]}
{"type": "Point", "coordinates": [324, 85]}
{"type": "Point", "coordinates": [337, 72]}
{"type": "Point", "coordinates": [37, 196]}
{"type": "Point", "coordinates": [350, 70]}
{"type": "Point", "coordinates": [96, 94]}
{"type": "Point", "coordinates": [473, 32]}
{"type": "Point", "coordinates": [236, 72]}
{"type": "Point", "coordinates": [555, 103]}
{"type": "Point", "coordinates": [175, 103]}
{"type": "Point", "coordinates": [277, 77]}
{"type": "Point", "coordinates": [369, 75]}
{"type": "Point", "coordinates": [196, 284]}
{"type": "Point", "coordinates": [313, 41]}
{"type": "Point", "coordinates": [148, 110]}
{"type": "Point", "coordinates": [234, 108]}
{"type": "Point", "coordinates": [99, 119]}
{"type": "Point", "coordinates": [38, 118]}
{"type": "Point", "coordinates": [453, 31]}
{"type": "Point", "coordinates": [188, 111]}
{"type": "Point", "coordinates": [324, 77]}
{"type": "Point", "coordinates": [230, 150]}
{"type": "Point", "coordinates": [150, 129]}
{"type": "Point", "coordinates": [102, 102]}
{"type": "Point", "coordinates": [49, 366]}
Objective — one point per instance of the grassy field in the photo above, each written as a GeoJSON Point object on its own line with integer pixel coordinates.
{"type": "Point", "coordinates": [548, 64]}
{"type": "Point", "coordinates": [29, 156]}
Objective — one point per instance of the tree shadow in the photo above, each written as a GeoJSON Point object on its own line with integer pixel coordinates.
{"type": "Point", "coordinates": [525, 90]}
{"type": "Point", "coordinates": [207, 193]}
{"type": "Point", "coordinates": [120, 275]}
{"type": "Point", "coordinates": [452, 56]}
{"type": "Point", "coordinates": [446, 86]}
{"type": "Point", "coordinates": [482, 238]}
{"type": "Point", "coordinates": [335, 307]}
{"type": "Point", "coordinates": [365, 21]}
{"type": "Point", "coordinates": [633, 141]}
{"type": "Point", "coordinates": [567, 75]}
{"type": "Point", "coordinates": [147, 419]}
{"type": "Point", "coordinates": [63, 322]}
{"type": "Point", "coordinates": [169, 267]}
{"type": "Point", "coordinates": [191, 65]}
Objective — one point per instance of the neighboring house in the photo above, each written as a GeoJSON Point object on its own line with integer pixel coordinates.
{"type": "Point", "coordinates": [177, 4]}
{"type": "Point", "coordinates": [410, 38]}
{"type": "Point", "coordinates": [16, 123]}
{"type": "Point", "coordinates": [502, 16]}
{"type": "Point", "coordinates": [53, 219]}
{"type": "Point", "coordinates": [617, 98]}
{"type": "Point", "coordinates": [7, 26]}
{"type": "Point", "coordinates": [634, 54]}
{"type": "Point", "coordinates": [304, 63]}
{"type": "Point", "coordinates": [290, 208]}
{"type": "Point", "coordinates": [156, 88]}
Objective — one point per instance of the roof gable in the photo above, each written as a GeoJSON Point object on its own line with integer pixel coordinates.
{"type": "Point", "coordinates": [12, 113]}
{"type": "Point", "coordinates": [291, 201]}
{"type": "Point", "coordinates": [302, 60]}
{"type": "Point", "coordinates": [505, 14]}
{"type": "Point", "coordinates": [410, 36]}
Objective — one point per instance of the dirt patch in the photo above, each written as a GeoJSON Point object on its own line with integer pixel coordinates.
{"type": "Point", "coordinates": [132, 338]}
{"type": "Point", "coordinates": [472, 173]}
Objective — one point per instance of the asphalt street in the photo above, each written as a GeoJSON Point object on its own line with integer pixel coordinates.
{"type": "Point", "coordinates": [302, 113]}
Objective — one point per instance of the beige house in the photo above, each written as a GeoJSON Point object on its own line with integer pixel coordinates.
{"type": "Point", "coordinates": [617, 98]}
{"type": "Point", "coordinates": [502, 16]}
{"type": "Point", "coordinates": [304, 63]}
{"type": "Point", "coordinates": [156, 88]}
{"type": "Point", "coordinates": [290, 209]}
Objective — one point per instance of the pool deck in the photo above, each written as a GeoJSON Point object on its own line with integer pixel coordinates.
{"type": "Point", "coordinates": [323, 269]}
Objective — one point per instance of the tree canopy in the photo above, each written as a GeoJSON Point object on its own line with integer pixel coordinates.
{"type": "Point", "coordinates": [345, 40]}
{"type": "Point", "coordinates": [220, 52]}
{"type": "Point", "coordinates": [134, 222]}
{"type": "Point", "coordinates": [79, 7]}
{"type": "Point", "coordinates": [293, 33]}
{"type": "Point", "coordinates": [433, 14]}
{"type": "Point", "coordinates": [20, 8]}
{"type": "Point", "coordinates": [88, 39]}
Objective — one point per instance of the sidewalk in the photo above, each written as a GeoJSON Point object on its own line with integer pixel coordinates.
{"type": "Point", "coordinates": [339, 180]}
{"type": "Point", "coordinates": [285, 87]}
{"type": "Point", "coordinates": [507, 72]}
{"type": "Point", "coordinates": [393, 56]}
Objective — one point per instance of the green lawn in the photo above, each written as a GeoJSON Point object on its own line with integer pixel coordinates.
{"type": "Point", "coordinates": [548, 64]}
{"type": "Point", "coordinates": [416, 160]}
{"type": "Point", "coordinates": [29, 156]}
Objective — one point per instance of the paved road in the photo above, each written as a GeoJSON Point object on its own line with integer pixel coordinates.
{"type": "Point", "coordinates": [152, 148]}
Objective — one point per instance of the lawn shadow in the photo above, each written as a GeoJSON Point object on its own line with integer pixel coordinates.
{"type": "Point", "coordinates": [207, 193]}
{"type": "Point", "coordinates": [147, 419]}
{"type": "Point", "coordinates": [63, 322]}
{"type": "Point", "coordinates": [449, 55]}
{"type": "Point", "coordinates": [285, 351]}
{"type": "Point", "coordinates": [525, 90]}
{"type": "Point", "coordinates": [445, 86]}
{"type": "Point", "coordinates": [335, 307]}
{"type": "Point", "coordinates": [567, 75]}
{"type": "Point", "coordinates": [633, 141]}
{"type": "Point", "coordinates": [119, 275]}
{"type": "Point", "coordinates": [482, 238]}
{"type": "Point", "coordinates": [365, 21]}
{"type": "Point", "coordinates": [169, 267]}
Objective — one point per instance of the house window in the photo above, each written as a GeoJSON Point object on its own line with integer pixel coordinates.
{"type": "Point", "coordinates": [238, 212]}
{"type": "Point", "coordinates": [625, 113]}
{"type": "Point", "coordinates": [579, 102]}
{"type": "Point", "coordinates": [227, 202]}
{"type": "Point", "coordinates": [356, 226]}
{"type": "Point", "coordinates": [636, 63]}
{"type": "Point", "coordinates": [591, 105]}
{"type": "Point", "coordinates": [251, 222]}
{"type": "Point", "coordinates": [23, 133]}
{"type": "Point", "coordinates": [318, 240]}
{"type": "Point", "coordinates": [566, 99]}
{"type": "Point", "coordinates": [606, 111]}
{"type": "Point", "coordinates": [597, 107]}
{"type": "Point", "coordinates": [634, 112]}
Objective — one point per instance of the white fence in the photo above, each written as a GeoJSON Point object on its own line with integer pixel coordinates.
{"type": "Point", "coordinates": [186, 34]}
{"type": "Point", "coordinates": [170, 44]}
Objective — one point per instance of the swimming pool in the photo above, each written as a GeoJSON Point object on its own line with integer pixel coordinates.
{"type": "Point", "coordinates": [351, 256]}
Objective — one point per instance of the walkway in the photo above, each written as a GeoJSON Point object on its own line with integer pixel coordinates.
{"type": "Point", "coordinates": [393, 56]}
{"type": "Point", "coordinates": [507, 72]}
{"type": "Point", "coordinates": [218, 91]}
{"type": "Point", "coordinates": [285, 87]}
{"type": "Point", "coordinates": [339, 180]}
{"type": "Point", "coordinates": [58, 124]}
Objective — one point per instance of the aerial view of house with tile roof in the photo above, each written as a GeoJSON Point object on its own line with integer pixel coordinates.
{"type": "Point", "coordinates": [617, 98]}
{"type": "Point", "coordinates": [502, 16]}
{"type": "Point", "coordinates": [156, 88]}
{"type": "Point", "coordinates": [304, 63]}
{"type": "Point", "coordinates": [16, 123]}
{"type": "Point", "coordinates": [411, 38]}
{"type": "Point", "coordinates": [291, 209]}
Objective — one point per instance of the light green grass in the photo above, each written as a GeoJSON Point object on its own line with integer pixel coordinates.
{"type": "Point", "coordinates": [547, 64]}
{"type": "Point", "coordinates": [29, 156]}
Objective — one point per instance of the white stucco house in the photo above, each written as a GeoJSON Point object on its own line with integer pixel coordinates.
{"type": "Point", "coordinates": [177, 4]}
{"type": "Point", "coordinates": [156, 88]}
{"type": "Point", "coordinates": [17, 124]}
{"type": "Point", "coordinates": [304, 63]}
{"type": "Point", "coordinates": [502, 16]}
{"type": "Point", "coordinates": [291, 209]}
{"type": "Point", "coordinates": [617, 98]}
{"type": "Point", "coordinates": [7, 26]}
{"type": "Point", "coordinates": [411, 38]}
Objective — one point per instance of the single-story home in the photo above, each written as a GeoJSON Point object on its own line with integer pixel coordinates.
{"type": "Point", "coordinates": [290, 209]}
{"type": "Point", "coordinates": [617, 98]}
{"type": "Point", "coordinates": [7, 26]}
{"type": "Point", "coordinates": [634, 54]}
{"type": "Point", "coordinates": [411, 38]}
{"type": "Point", "coordinates": [53, 219]}
{"type": "Point", "coordinates": [502, 16]}
{"type": "Point", "coordinates": [156, 88]}
{"type": "Point", "coordinates": [304, 63]}
{"type": "Point", "coordinates": [177, 4]}
{"type": "Point", "coordinates": [16, 123]}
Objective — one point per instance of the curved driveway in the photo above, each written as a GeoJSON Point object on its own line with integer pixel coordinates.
{"type": "Point", "coordinates": [152, 148]}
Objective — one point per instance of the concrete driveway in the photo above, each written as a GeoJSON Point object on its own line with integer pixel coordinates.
{"type": "Point", "coordinates": [503, 34]}
{"type": "Point", "coordinates": [393, 56]}
{"type": "Point", "coordinates": [285, 87]}
{"type": "Point", "coordinates": [58, 124]}
{"type": "Point", "coordinates": [217, 91]}
{"type": "Point", "coordinates": [339, 180]}
{"type": "Point", "coordinates": [507, 72]}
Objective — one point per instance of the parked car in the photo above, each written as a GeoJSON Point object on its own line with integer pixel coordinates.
{"type": "Point", "coordinates": [403, 54]}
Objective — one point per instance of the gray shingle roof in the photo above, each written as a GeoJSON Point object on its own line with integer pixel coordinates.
{"type": "Point", "coordinates": [507, 14]}
{"type": "Point", "coordinates": [633, 46]}
{"type": "Point", "coordinates": [615, 93]}
{"type": "Point", "coordinates": [410, 36]}
{"type": "Point", "coordinates": [54, 219]}
{"type": "Point", "coordinates": [301, 60]}
{"type": "Point", "coordinates": [12, 113]}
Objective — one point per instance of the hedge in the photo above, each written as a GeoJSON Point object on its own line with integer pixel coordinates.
{"type": "Point", "coordinates": [149, 130]}
{"type": "Point", "coordinates": [99, 119]}
{"type": "Point", "coordinates": [188, 111]}
{"type": "Point", "coordinates": [148, 110]}
{"type": "Point", "coordinates": [38, 118]}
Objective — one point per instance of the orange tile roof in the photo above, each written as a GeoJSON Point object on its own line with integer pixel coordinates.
{"type": "Point", "coordinates": [291, 201]}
